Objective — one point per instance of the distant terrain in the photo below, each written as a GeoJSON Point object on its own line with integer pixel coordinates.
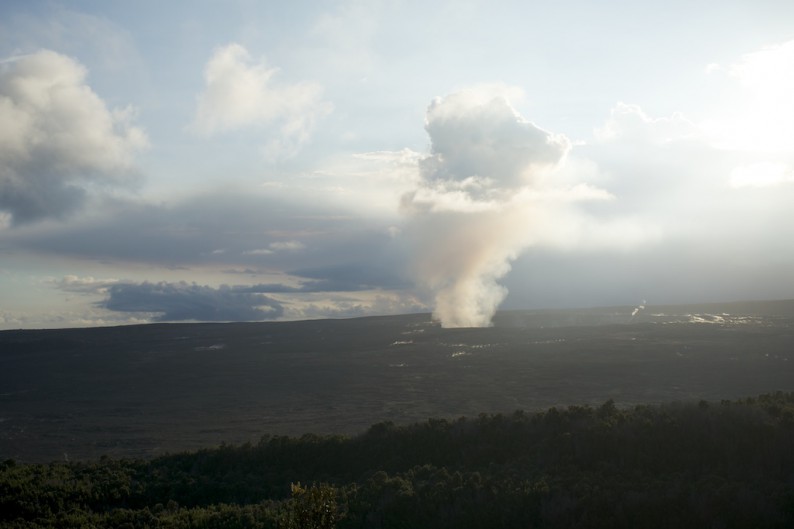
{"type": "Point", "coordinates": [143, 391]}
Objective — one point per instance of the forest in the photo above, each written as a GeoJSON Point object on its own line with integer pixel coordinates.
{"type": "Point", "coordinates": [725, 464]}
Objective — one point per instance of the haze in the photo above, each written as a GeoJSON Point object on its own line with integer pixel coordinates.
{"type": "Point", "coordinates": [207, 161]}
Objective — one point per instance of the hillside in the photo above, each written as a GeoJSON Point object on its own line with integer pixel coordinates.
{"type": "Point", "coordinates": [697, 464]}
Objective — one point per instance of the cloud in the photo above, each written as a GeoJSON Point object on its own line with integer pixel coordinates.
{"type": "Point", "coordinates": [758, 118]}
{"type": "Point", "coordinates": [327, 295]}
{"type": "Point", "coordinates": [278, 246]}
{"type": "Point", "coordinates": [363, 184]}
{"type": "Point", "coordinates": [761, 174]}
{"type": "Point", "coordinates": [58, 139]}
{"type": "Point", "coordinates": [659, 169]}
{"type": "Point", "coordinates": [83, 285]}
{"type": "Point", "coordinates": [188, 301]}
{"type": "Point", "coordinates": [483, 198]}
{"type": "Point", "coordinates": [759, 110]}
{"type": "Point", "coordinates": [308, 247]}
{"type": "Point", "coordinates": [350, 277]}
{"type": "Point", "coordinates": [189, 232]}
{"type": "Point", "coordinates": [692, 198]}
{"type": "Point", "coordinates": [242, 93]}
{"type": "Point", "coordinates": [690, 221]}
{"type": "Point", "coordinates": [336, 306]}
{"type": "Point", "coordinates": [629, 122]}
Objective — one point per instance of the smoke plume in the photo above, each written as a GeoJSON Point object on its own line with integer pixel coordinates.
{"type": "Point", "coordinates": [482, 199]}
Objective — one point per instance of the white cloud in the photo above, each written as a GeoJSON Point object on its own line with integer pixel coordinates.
{"type": "Point", "coordinates": [324, 305]}
{"type": "Point", "coordinates": [700, 205]}
{"type": "Point", "coordinates": [761, 174]}
{"type": "Point", "coordinates": [81, 317]}
{"type": "Point", "coordinates": [279, 246]}
{"type": "Point", "coordinates": [769, 71]}
{"type": "Point", "coordinates": [241, 92]}
{"type": "Point", "coordinates": [362, 183]}
{"type": "Point", "coordinates": [83, 285]}
{"type": "Point", "coordinates": [630, 123]}
{"type": "Point", "coordinates": [288, 245]}
{"type": "Point", "coordinates": [57, 136]}
{"type": "Point", "coordinates": [654, 165]}
{"type": "Point", "coordinates": [759, 116]}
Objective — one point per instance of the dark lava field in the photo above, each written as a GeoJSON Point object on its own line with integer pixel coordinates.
{"type": "Point", "coordinates": [143, 391]}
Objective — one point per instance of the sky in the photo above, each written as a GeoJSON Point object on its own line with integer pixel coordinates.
{"type": "Point", "coordinates": [254, 160]}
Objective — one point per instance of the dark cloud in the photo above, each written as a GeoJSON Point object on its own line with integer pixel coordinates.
{"type": "Point", "coordinates": [221, 228]}
{"type": "Point", "coordinates": [189, 301]}
{"type": "Point", "coordinates": [670, 272]}
{"type": "Point", "coordinates": [48, 196]}
{"type": "Point", "coordinates": [350, 277]}
{"type": "Point", "coordinates": [334, 278]}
